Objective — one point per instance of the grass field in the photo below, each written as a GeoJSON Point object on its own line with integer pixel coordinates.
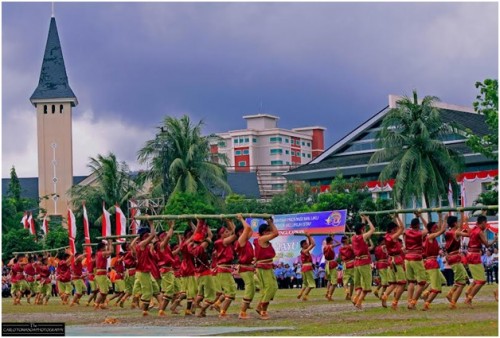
{"type": "Point", "coordinates": [314, 317]}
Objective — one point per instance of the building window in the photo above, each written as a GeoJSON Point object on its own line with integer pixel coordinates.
{"type": "Point", "coordinates": [293, 153]}
{"type": "Point", "coordinates": [279, 186]}
{"type": "Point", "coordinates": [53, 109]}
{"type": "Point", "coordinates": [276, 151]}
{"type": "Point", "coordinates": [308, 144]}
{"type": "Point", "coordinates": [247, 140]}
{"type": "Point", "coordinates": [276, 162]}
{"type": "Point", "coordinates": [254, 140]}
{"type": "Point", "coordinates": [45, 109]}
{"type": "Point", "coordinates": [287, 162]}
{"type": "Point", "coordinates": [237, 152]}
{"type": "Point", "coordinates": [287, 152]}
{"type": "Point", "coordinates": [60, 109]}
{"type": "Point", "coordinates": [303, 143]}
{"type": "Point", "coordinates": [242, 164]}
{"type": "Point", "coordinates": [276, 174]}
{"type": "Point", "coordinates": [235, 140]}
{"type": "Point", "coordinates": [242, 140]}
{"type": "Point", "coordinates": [303, 154]}
{"type": "Point", "coordinates": [308, 155]}
{"type": "Point", "coordinates": [276, 139]}
{"type": "Point", "coordinates": [246, 152]}
{"type": "Point", "coordinates": [286, 140]}
{"type": "Point", "coordinates": [222, 144]}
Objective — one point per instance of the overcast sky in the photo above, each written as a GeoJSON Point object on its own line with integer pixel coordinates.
{"type": "Point", "coordinates": [328, 64]}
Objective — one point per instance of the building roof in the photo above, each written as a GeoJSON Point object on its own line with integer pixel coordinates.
{"type": "Point", "coordinates": [29, 185]}
{"type": "Point", "coordinates": [246, 117]}
{"type": "Point", "coordinates": [53, 82]}
{"type": "Point", "coordinates": [333, 161]}
{"type": "Point", "coordinates": [241, 183]}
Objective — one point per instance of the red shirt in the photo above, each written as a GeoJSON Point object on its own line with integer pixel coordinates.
{"type": "Point", "coordinates": [381, 258]}
{"type": "Point", "coordinates": [44, 274]}
{"type": "Point", "coordinates": [37, 271]}
{"type": "Point", "coordinates": [76, 270]}
{"type": "Point", "coordinates": [475, 244]}
{"type": "Point", "coordinates": [187, 263]}
{"type": "Point", "coordinates": [201, 260]}
{"type": "Point", "coordinates": [63, 272]}
{"type": "Point", "coordinates": [329, 253]}
{"type": "Point", "coordinates": [120, 269]}
{"type": "Point", "coordinates": [225, 255]}
{"type": "Point", "coordinates": [394, 249]}
{"type": "Point", "coordinates": [306, 260]}
{"type": "Point", "coordinates": [90, 269]}
{"type": "Point", "coordinates": [264, 254]}
{"type": "Point", "coordinates": [431, 251]}
{"type": "Point", "coordinates": [347, 256]}
{"type": "Point", "coordinates": [245, 256]}
{"type": "Point", "coordinates": [176, 265]}
{"type": "Point", "coordinates": [101, 263]}
{"type": "Point", "coordinates": [452, 247]}
{"type": "Point", "coordinates": [361, 252]}
{"type": "Point", "coordinates": [29, 271]}
{"type": "Point", "coordinates": [413, 244]}
{"type": "Point", "coordinates": [144, 259]}
{"type": "Point", "coordinates": [17, 273]}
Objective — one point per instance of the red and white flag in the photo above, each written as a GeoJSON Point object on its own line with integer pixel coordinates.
{"type": "Point", "coordinates": [45, 225]}
{"type": "Point", "coordinates": [106, 222]}
{"type": "Point", "coordinates": [24, 221]}
{"type": "Point", "coordinates": [451, 203]}
{"type": "Point", "coordinates": [71, 230]}
{"type": "Point", "coordinates": [462, 194]}
{"type": "Point", "coordinates": [134, 212]}
{"type": "Point", "coordinates": [121, 226]}
{"type": "Point", "coordinates": [86, 233]}
{"type": "Point", "coordinates": [31, 223]}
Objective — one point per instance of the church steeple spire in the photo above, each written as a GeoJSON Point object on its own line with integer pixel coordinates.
{"type": "Point", "coordinates": [53, 82]}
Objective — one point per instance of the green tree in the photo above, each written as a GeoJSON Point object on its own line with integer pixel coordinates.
{"type": "Point", "coordinates": [419, 161]}
{"type": "Point", "coordinates": [239, 204]}
{"type": "Point", "coordinates": [178, 161]}
{"type": "Point", "coordinates": [112, 184]}
{"type": "Point", "coordinates": [490, 196]}
{"type": "Point", "coordinates": [14, 189]}
{"type": "Point", "coordinates": [186, 204]}
{"type": "Point", "coordinates": [486, 104]}
{"type": "Point", "coordinates": [56, 238]}
{"type": "Point", "coordinates": [18, 240]}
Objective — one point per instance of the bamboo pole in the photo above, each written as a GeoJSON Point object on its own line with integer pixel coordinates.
{"type": "Point", "coordinates": [115, 237]}
{"type": "Point", "coordinates": [198, 216]}
{"type": "Point", "coordinates": [37, 251]}
{"type": "Point", "coordinates": [421, 210]}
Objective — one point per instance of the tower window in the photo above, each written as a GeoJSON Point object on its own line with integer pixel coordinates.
{"type": "Point", "coordinates": [45, 109]}
{"type": "Point", "coordinates": [53, 109]}
{"type": "Point", "coordinates": [61, 108]}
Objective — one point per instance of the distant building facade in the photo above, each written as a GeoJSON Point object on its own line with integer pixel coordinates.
{"type": "Point", "coordinates": [265, 148]}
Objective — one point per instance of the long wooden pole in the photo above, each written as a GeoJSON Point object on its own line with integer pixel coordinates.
{"type": "Point", "coordinates": [199, 216]}
{"type": "Point", "coordinates": [37, 251]}
{"type": "Point", "coordinates": [332, 234]}
{"type": "Point", "coordinates": [420, 210]}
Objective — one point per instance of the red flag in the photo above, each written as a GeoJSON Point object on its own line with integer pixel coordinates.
{"type": "Point", "coordinates": [24, 220]}
{"type": "Point", "coordinates": [88, 249]}
{"type": "Point", "coordinates": [71, 230]}
{"type": "Point", "coordinates": [106, 222]}
{"type": "Point", "coordinates": [45, 225]}
{"type": "Point", "coordinates": [121, 226]}
{"type": "Point", "coordinates": [31, 223]}
{"type": "Point", "coordinates": [134, 211]}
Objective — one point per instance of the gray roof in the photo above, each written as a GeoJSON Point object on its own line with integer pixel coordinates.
{"type": "Point", "coordinates": [53, 82]}
{"type": "Point", "coordinates": [332, 164]}
{"type": "Point", "coordinates": [29, 186]}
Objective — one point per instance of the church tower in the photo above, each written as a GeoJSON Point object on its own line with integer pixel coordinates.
{"type": "Point", "coordinates": [54, 100]}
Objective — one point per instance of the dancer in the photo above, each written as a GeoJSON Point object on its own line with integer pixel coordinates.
{"type": "Point", "coordinates": [331, 266]}
{"type": "Point", "coordinates": [64, 276]}
{"type": "Point", "coordinates": [94, 290]}
{"type": "Point", "coordinates": [307, 266]}
{"type": "Point", "coordinates": [431, 252]}
{"type": "Point", "coordinates": [176, 265]}
{"type": "Point", "coordinates": [347, 257]}
{"type": "Point", "coordinates": [225, 256]}
{"type": "Point", "coordinates": [165, 263]}
{"type": "Point", "coordinates": [452, 237]}
{"type": "Point", "coordinates": [29, 273]}
{"type": "Point", "coordinates": [130, 263]}
{"type": "Point", "coordinates": [104, 250]}
{"type": "Point", "coordinates": [18, 281]}
{"type": "Point", "coordinates": [45, 282]}
{"type": "Point", "coordinates": [415, 270]}
{"type": "Point", "coordinates": [77, 279]}
{"type": "Point", "coordinates": [246, 256]}
{"type": "Point", "coordinates": [382, 266]}
{"type": "Point", "coordinates": [119, 281]}
{"type": "Point", "coordinates": [396, 273]}
{"type": "Point", "coordinates": [264, 254]}
{"type": "Point", "coordinates": [362, 260]}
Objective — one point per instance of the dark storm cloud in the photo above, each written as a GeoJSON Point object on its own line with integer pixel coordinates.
{"type": "Point", "coordinates": [330, 64]}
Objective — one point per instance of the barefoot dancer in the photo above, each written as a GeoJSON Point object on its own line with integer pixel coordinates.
{"type": "Point", "coordinates": [347, 257]}
{"type": "Point", "coordinates": [104, 250]}
{"type": "Point", "coordinates": [77, 279]}
{"type": "Point", "coordinates": [144, 264]}
{"type": "Point", "coordinates": [64, 276]}
{"type": "Point", "coordinates": [331, 266]}
{"type": "Point", "coordinates": [225, 256]}
{"type": "Point", "coordinates": [307, 266]}
{"type": "Point", "coordinates": [165, 262]}
{"type": "Point", "coordinates": [382, 266]}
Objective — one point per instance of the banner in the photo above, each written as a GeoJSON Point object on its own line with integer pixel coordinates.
{"type": "Point", "coordinates": [45, 225]}
{"type": "Point", "coordinates": [121, 227]}
{"type": "Point", "coordinates": [106, 222]}
{"type": "Point", "coordinates": [134, 212]}
{"type": "Point", "coordinates": [24, 220]}
{"type": "Point", "coordinates": [71, 231]}
{"type": "Point", "coordinates": [287, 246]}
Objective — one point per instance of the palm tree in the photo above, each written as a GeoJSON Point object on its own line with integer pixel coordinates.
{"type": "Point", "coordinates": [419, 161]}
{"type": "Point", "coordinates": [178, 160]}
{"type": "Point", "coordinates": [112, 184]}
